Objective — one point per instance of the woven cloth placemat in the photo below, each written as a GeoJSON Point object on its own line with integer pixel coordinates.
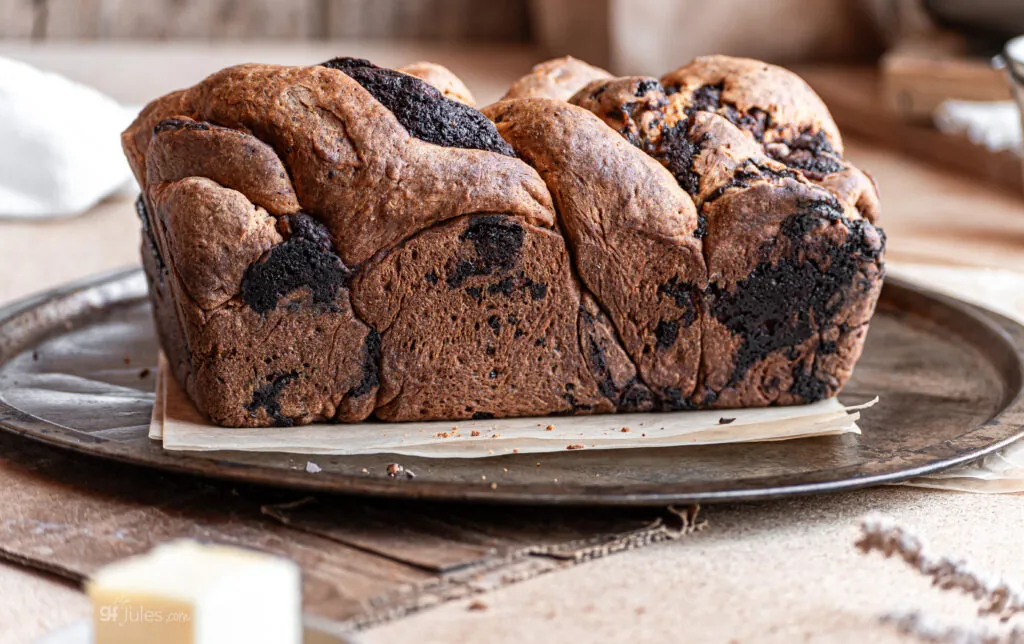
{"type": "Point", "coordinates": [364, 561]}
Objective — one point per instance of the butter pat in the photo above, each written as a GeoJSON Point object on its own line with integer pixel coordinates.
{"type": "Point", "coordinates": [185, 592]}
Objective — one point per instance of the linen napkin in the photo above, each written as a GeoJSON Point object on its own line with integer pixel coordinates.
{"type": "Point", "coordinates": [60, 144]}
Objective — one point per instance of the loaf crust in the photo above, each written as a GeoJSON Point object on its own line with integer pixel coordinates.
{"type": "Point", "coordinates": [342, 241]}
{"type": "Point", "coordinates": [442, 78]}
{"type": "Point", "coordinates": [558, 78]}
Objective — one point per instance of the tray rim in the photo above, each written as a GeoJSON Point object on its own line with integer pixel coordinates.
{"type": "Point", "coordinates": [18, 422]}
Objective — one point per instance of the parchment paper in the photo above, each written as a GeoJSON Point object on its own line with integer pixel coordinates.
{"type": "Point", "coordinates": [182, 428]}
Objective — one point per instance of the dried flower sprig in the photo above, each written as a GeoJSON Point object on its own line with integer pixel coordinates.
{"type": "Point", "coordinates": [999, 597]}
{"type": "Point", "coordinates": [916, 624]}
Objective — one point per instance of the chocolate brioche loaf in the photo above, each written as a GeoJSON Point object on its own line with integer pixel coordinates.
{"type": "Point", "coordinates": [342, 241]}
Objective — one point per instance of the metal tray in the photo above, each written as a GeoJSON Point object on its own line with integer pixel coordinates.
{"type": "Point", "coordinates": [76, 372]}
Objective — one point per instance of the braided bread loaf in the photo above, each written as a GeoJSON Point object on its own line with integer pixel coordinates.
{"type": "Point", "coordinates": [333, 242]}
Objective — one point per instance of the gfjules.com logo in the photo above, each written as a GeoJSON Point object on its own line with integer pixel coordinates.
{"type": "Point", "coordinates": [123, 612]}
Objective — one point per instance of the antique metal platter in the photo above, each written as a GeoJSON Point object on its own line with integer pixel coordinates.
{"type": "Point", "coordinates": [77, 372]}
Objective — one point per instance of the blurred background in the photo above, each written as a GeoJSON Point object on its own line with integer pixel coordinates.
{"type": "Point", "coordinates": [604, 31]}
{"type": "Point", "coordinates": [906, 80]}
{"type": "Point", "coordinates": [625, 35]}
{"type": "Point", "coordinates": [920, 54]}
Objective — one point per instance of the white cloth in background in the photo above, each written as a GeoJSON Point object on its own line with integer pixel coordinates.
{"type": "Point", "coordinates": [60, 144]}
{"type": "Point", "coordinates": [994, 124]}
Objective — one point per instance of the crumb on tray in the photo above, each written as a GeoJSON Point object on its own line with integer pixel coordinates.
{"type": "Point", "coordinates": [476, 604]}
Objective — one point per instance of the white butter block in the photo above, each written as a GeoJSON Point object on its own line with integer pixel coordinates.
{"type": "Point", "coordinates": [185, 592]}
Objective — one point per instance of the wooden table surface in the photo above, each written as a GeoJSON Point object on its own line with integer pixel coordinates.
{"type": "Point", "coordinates": [781, 571]}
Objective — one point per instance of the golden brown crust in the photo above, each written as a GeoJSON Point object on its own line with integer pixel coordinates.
{"type": "Point", "coordinates": [334, 242]}
{"type": "Point", "coordinates": [633, 106]}
{"type": "Point", "coordinates": [753, 147]}
{"type": "Point", "coordinates": [183, 148]}
{"type": "Point", "coordinates": [352, 163]}
{"type": "Point", "coordinates": [630, 227]}
{"type": "Point", "coordinates": [558, 78]}
{"type": "Point", "coordinates": [443, 79]}
{"type": "Point", "coordinates": [737, 112]}
{"type": "Point", "coordinates": [770, 102]}
{"type": "Point", "coordinates": [214, 234]}
{"type": "Point", "coordinates": [306, 368]}
{"type": "Point", "coordinates": [457, 341]}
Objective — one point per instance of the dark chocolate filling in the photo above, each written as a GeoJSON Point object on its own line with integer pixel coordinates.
{"type": "Point", "coordinates": [647, 85]}
{"type": "Point", "coordinates": [783, 304]}
{"type": "Point", "coordinates": [180, 124]}
{"type": "Point", "coordinates": [307, 259]}
{"type": "Point", "coordinates": [497, 241]}
{"type": "Point", "coordinates": [685, 296]}
{"type": "Point", "coordinates": [708, 98]}
{"type": "Point", "coordinates": [811, 153]}
{"type": "Point", "coordinates": [509, 285]}
{"type": "Point", "coordinates": [570, 397]}
{"type": "Point", "coordinates": [633, 395]}
{"type": "Point", "coordinates": [424, 111]}
{"type": "Point", "coordinates": [266, 397]}
{"type": "Point", "coordinates": [676, 152]}
{"type": "Point", "coordinates": [672, 399]}
{"type": "Point", "coordinates": [149, 239]}
{"type": "Point", "coordinates": [370, 364]}
{"type": "Point", "coordinates": [666, 333]}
